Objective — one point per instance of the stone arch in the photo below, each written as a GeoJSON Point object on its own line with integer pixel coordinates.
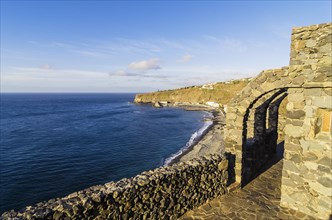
{"type": "Point", "coordinates": [239, 111]}
{"type": "Point", "coordinates": [308, 81]}
{"type": "Point", "coordinates": [257, 149]}
{"type": "Point", "coordinates": [257, 92]}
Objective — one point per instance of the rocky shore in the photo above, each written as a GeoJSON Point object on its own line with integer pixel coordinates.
{"type": "Point", "coordinates": [212, 142]}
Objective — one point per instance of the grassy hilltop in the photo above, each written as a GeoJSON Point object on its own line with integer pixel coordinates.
{"type": "Point", "coordinates": [220, 92]}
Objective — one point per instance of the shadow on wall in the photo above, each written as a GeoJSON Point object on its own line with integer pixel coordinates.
{"type": "Point", "coordinates": [231, 168]}
{"type": "Point", "coordinates": [258, 150]}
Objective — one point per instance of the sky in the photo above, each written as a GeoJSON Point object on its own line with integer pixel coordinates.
{"type": "Point", "coordinates": [143, 46]}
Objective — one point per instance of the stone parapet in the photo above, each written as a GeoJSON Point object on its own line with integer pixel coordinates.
{"type": "Point", "coordinates": [163, 193]}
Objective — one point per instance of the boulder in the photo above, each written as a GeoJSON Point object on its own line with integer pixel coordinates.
{"type": "Point", "coordinates": [157, 105]}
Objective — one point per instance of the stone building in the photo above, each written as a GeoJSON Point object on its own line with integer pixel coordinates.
{"type": "Point", "coordinates": [253, 121]}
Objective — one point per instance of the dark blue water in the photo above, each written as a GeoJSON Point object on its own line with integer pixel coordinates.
{"type": "Point", "coordinates": [55, 144]}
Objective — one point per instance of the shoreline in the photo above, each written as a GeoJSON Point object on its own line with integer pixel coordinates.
{"type": "Point", "coordinates": [211, 140]}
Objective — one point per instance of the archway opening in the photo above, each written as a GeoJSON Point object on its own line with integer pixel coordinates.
{"type": "Point", "coordinates": [259, 148]}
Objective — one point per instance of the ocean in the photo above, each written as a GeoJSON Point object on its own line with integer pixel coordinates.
{"type": "Point", "coordinates": [54, 144]}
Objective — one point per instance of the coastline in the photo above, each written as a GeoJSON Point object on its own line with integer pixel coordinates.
{"type": "Point", "coordinates": [211, 141]}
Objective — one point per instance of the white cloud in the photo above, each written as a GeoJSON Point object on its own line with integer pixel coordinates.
{"type": "Point", "coordinates": [93, 54]}
{"type": "Point", "coordinates": [141, 75]}
{"type": "Point", "coordinates": [185, 58]}
{"type": "Point", "coordinates": [145, 65]}
{"type": "Point", "coordinates": [46, 67]}
{"type": "Point", "coordinates": [122, 73]}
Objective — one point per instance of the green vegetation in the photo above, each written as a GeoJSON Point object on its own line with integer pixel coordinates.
{"type": "Point", "coordinates": [221, 92]}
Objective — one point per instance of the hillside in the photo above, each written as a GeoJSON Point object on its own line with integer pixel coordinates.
{"type": "Point", "coordinates": [220, 92]}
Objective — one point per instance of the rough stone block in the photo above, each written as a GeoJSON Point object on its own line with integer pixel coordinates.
{"type": "Point", "coordinates": [293, 147]}
{"type": "Point", "coordinates": [223, 165]}
{"type": "Point", "coordinates": [295, 114]}
{"type": "Point", "coordinates": [290, 166]}
{"type": "Point", "coordinates": [310, 165]}
{"type": "Point", "coordinates": [293, 131]}
{"type": "Point", "coordinates": [295, 97]}
{"type": "Point", "coordinates": [326, 191]}
{"type": "Point", "coordinates": [326, 161]}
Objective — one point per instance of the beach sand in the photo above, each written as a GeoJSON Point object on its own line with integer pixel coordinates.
{"type": "Point", "coordinates": [212, 142]}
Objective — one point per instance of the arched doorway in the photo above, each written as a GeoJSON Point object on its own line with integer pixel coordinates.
{"type": "Point", "coordinates": [256, 150]}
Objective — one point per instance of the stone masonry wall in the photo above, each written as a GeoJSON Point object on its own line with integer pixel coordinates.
{"type": "Point", "coordinates": [260, 89]}
{"type": "Point", "coordinates": [308, 83]}
{"type": "Point", "coordinates": [163, 193]}
{"type": "Point", "coordinates": [307, 177]}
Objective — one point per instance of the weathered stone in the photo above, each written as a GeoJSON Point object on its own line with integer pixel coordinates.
{"type": "Point", "coordinates": [322, 102]}
{"type": "Point", "coordinates": [295, 97]}
{"type": "Point", "coordinates": [326, 161]}
{"type": "Point", "coordinates": [325, 49]}
{"type": "Point", "coordinates": [326, 191]}
{"type": "Point", "coordinates": [327, 182]}
{"type": "Point", "coordinates": [293, 131]}
{"type": "Point", "coordinates": [311, 165]}
{"type": "Point", "coordinates": [310, 156]}
{"type": "Point", "coordinates": [223, 165]}
{"type": "Point", "coordinates": [299, 80]}
{"type": "Point", "coordinates": [288, 165]}
{"type": "Point", "coordinates": [297, 179]}
{"type": "Point", "coordinates": [299, 45]}
{"type": "Point", "coordinates": [296, 158]}
{"type": "Point", "coordinates": [298, 114]}
{"type": "Point", "coordinates": [324, 169]}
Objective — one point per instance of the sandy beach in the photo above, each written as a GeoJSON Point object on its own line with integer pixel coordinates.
{"type": "Point", "coordinates": [210, 143]}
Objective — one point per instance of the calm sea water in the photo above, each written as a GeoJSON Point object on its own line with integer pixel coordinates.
{"type": "Point", "coordinates": [55, 144]}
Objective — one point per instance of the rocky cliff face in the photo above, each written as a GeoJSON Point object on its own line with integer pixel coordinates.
{"type": "Point", "coordinates": [220, 92]}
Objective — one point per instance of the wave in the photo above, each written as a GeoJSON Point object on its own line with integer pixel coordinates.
{"type": "Point", "coordinates": [195, 137]}
{"type": "Point", "coordinates": [208, 115]}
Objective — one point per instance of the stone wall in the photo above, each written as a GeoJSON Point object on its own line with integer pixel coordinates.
{"type": "Point", "coordinates": [307, 177]}
{"type": "Point", "coordinates": [240, 117]}
{"type": "Point", "coordinates": [308, 84]}
{"type": "Point", "coordinates": [314, 71]}
{"type": "Point", "coordinates": [163, 193]}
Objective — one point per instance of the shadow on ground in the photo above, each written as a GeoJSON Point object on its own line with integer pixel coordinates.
{"type": "Point", "coordinates": [259, 199]}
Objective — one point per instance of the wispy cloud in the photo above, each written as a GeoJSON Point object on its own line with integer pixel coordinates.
{"type": "Point", "coordinates": [47, 70]}
{"type": "Point", "coordinates": [46, 66]}
{"type": "Point", "coordinates": [61, 45]}
{"type": "Point", "coordinates": [52, 44]}
{"type": "Point", "coordinates": [94, 54]}
{"type": "Point", "coordinates": [123, 73]}
{"type": "Point", "coordinates": [173, 44]}
{"type": "Point", "coordinates": [145, 65]}
{"type": "Point", "coordinates": [185, 58]}
{"type": "Point", "coordinates": [230, 44]}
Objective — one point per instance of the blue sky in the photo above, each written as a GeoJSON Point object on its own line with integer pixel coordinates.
{"type": "Point", "coordinates": [141, 46]}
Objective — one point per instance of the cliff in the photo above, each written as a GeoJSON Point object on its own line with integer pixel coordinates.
{"type": "Point", "coordinates": [220, 92]}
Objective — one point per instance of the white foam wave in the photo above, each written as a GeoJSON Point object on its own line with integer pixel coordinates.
{"type": "Point", "coordinates": [195, 137]}
{"type": "Point", "coordinates": [208, 115]}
